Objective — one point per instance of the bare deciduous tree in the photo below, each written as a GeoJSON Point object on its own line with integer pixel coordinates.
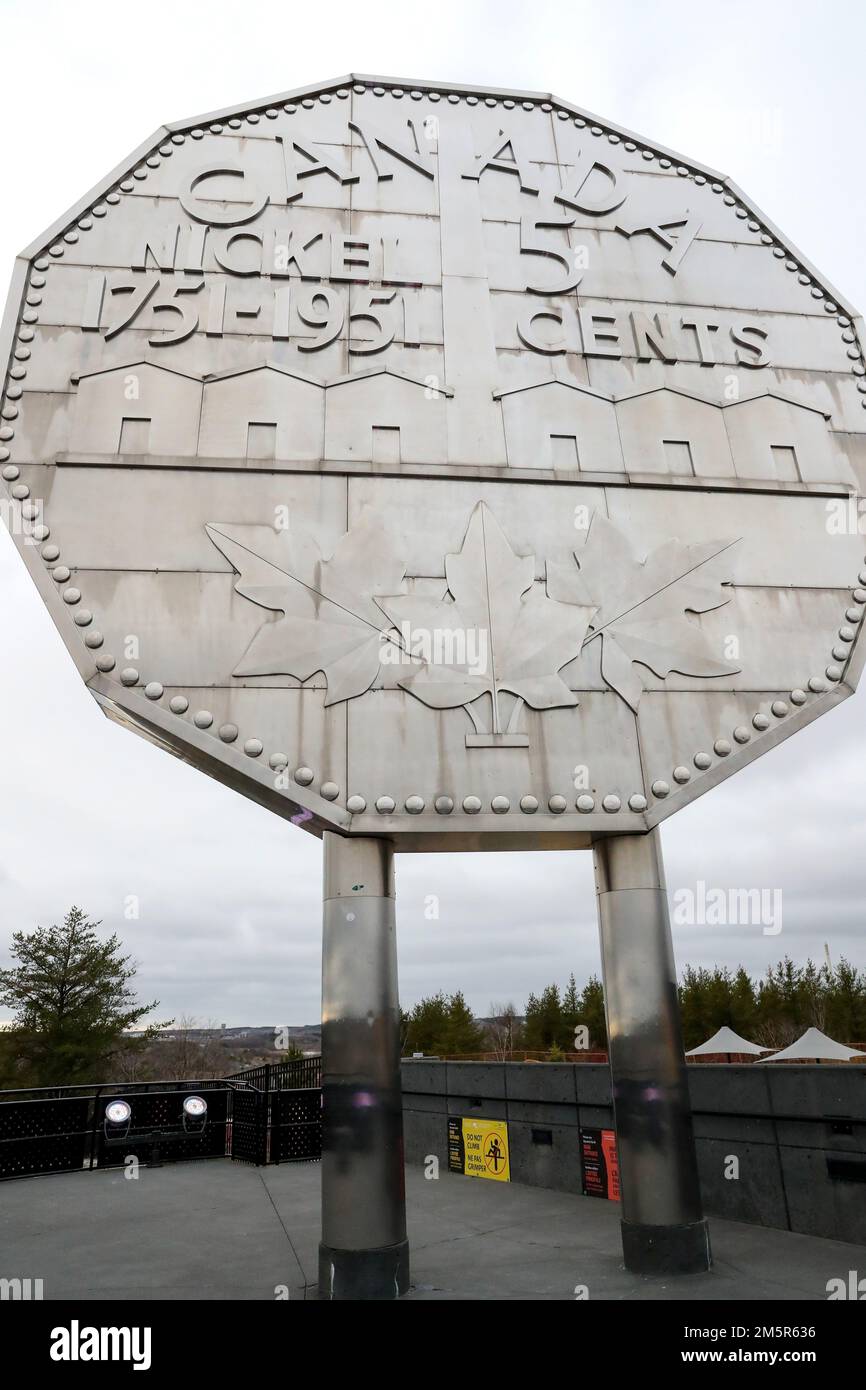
{"type": "Point", "coordinates": [502, 1030]}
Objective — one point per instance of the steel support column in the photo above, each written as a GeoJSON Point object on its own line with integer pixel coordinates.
{"type": "Point", "coordinates": [364, 1253]}
{"type": "Point", "coordinates": [663, 1228]}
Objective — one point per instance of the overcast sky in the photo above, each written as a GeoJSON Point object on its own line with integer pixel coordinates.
{"type": "Point", "coordinates": [229, 925]}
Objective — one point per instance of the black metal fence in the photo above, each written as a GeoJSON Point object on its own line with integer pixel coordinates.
{"type": "Point", "coordinates": [294, 1075]}
{"type": "Point", "coordinates": [249, 1127]}
{"type": "Point", "coordinates": [269, 1114]}
{"type": "Point", "coordinates": [295, 1130]}
{"type": "Point", "coordinates": [51, 1135]}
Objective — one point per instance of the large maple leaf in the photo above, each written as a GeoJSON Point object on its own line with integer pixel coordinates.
{"type": "Point", "coordinates": [642, 604]}
{"type": "Point", "coordinates": [330, 621]}
{"type": "Point", "coordinates": [512, 636]}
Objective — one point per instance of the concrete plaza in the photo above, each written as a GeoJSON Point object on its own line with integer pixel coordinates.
{"type": "Point", "coordinates": [215, 1229]}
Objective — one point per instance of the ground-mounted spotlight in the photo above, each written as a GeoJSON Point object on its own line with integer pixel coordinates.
{"type": "Point", "coordinates": [194, 1114]}
{"type": "Point", "coordinates": [118, 1115]}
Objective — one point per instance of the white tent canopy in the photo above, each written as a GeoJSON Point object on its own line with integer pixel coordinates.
{"type": "Point", "coordinates": [814, 1043]}
{"type": "Point", "coordinates": [726, 1040]}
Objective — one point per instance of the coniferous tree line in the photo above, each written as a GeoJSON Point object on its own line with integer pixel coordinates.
{"type": "Point", "coordinates": [777, 1009]}
{"type": "Point", "coordinates": [772, 1011]}
{"type": "Point", "coordinates": [74, 1009]}
{"type": "Point", "coordinates": [441, 1023]}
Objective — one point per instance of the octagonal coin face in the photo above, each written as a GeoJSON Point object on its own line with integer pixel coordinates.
{"type": "Point", "coordinates": [435, 462]}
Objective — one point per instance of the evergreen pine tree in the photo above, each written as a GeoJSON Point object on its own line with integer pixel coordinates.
{"type": "Point", "coordinates": [72, 1000]}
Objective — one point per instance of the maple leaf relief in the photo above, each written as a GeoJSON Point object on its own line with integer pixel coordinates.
{"type": "Point", "coordinates": [330, 619]}
{"type": "Point", "coordinates": [641, 604]}
{"type": "Point", "coordinates": [514, 637]}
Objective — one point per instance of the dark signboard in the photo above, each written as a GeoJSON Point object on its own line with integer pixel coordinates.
{"type": "Point", "coordinates": [599, 1164]}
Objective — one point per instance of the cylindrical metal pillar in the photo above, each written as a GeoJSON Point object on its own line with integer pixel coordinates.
{"type": "Point", "coordinates": [663, 1228]}
{"type": "Point", "coordinates": [364, 1253]}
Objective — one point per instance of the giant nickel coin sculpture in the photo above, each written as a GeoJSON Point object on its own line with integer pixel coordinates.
{"type": "Point", "coordinates": [445, 468]}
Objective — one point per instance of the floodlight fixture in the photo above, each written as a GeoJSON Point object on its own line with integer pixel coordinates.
{"type": "Point", "coordinates": [117, 1119]}
{"type": "Point", "coordinates": [194, 1114]}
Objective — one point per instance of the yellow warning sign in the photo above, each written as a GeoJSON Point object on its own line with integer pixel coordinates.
{"type": "Point", "coordinates": [482, 1148]}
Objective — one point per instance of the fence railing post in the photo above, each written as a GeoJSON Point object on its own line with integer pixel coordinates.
{"type": "Point", "coordinates": [276, 1118]}
{"type": "Point", "coordinates": [93, 1127]}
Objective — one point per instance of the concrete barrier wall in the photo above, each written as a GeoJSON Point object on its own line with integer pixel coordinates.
{"type": "Point", "coordinates": [799, 1132]}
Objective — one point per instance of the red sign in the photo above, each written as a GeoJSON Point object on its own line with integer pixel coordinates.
{"type": "Point", "coordinates": [599, 1164]}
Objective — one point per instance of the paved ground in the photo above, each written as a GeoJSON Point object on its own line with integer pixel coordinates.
{"type": "Point", "coordinates": [221, 1230]}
